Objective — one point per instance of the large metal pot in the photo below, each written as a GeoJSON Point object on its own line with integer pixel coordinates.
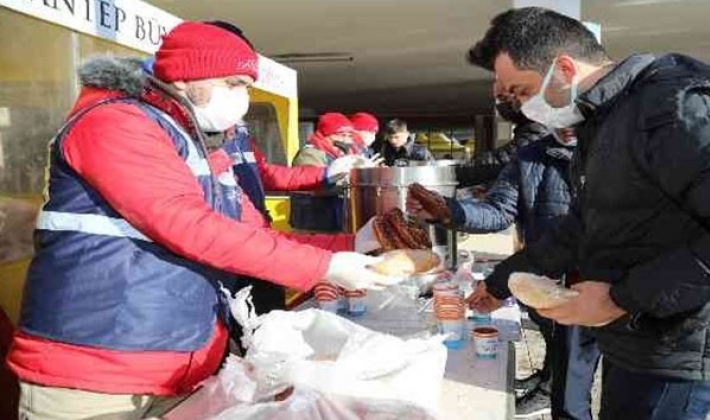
{"type": "Point", "coordinates": [438, 162]}
{"type": "Point", "coordinates": [374, 191]}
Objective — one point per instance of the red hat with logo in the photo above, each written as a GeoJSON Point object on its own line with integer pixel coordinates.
{"type": "Point", "coordinates": [333, 123]}
{"type": "Point", "coordinates": [197, 50]}
{"type": "Point", "coordinates": [362, 121]}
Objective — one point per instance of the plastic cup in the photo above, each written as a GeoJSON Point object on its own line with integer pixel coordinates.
{"type": "Point", "coordinates": [329, 305]}
{"type": "Point", "coordinates": [342, 301]}
{"type": "Point", "coordinates": [444, 289]}
{"type": "Point", "coordinates": [480, 318]}
{"type": "Point", "coordinates": [454, 330]}
{"type": "Point", "coordinates": [356, 302]}
{"type": "Point", "coordinates": [486, 341]}
{"type": "Point", "coordinates": [356, 306]}
{"type": "Point", "coordinates": [342, 304]}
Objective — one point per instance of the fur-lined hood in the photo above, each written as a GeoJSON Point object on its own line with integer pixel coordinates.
{"type": "Point", "coordinates": [127, 75]}
{"type": "Point", "coordinates": [133, 78]}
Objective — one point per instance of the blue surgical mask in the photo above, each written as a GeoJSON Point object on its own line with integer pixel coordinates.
{"type": "Point", "coordinates": [537, 108]}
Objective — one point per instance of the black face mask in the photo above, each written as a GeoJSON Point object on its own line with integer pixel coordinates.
{"type": "Point", "coordinates": [345, 147]}
{"type": "Point", "coordinates": [511, 113]}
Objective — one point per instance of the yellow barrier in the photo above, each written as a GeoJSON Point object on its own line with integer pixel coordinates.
{"type": "Point", "coordinates": [17, 215]}
{"type": "Point", "coordinates": [12, 279]}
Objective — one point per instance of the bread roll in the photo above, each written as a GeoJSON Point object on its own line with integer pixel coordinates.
{"type": "Point", "coordinates": [538, 291]}
{"type": "Point", "coordinates": [404, 262]}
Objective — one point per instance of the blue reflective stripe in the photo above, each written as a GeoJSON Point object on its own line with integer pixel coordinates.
{"type": "Point", "coordinates": [88, 223]}
{"type": "Point", "coordinates": [198, 164]}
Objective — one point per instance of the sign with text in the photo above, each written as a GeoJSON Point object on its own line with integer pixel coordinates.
{"type": "Point", "coordinates": [277, 78]}
{"type": "Point", "coordinates": [137, 25]}
{"type": "Point", "coordinates": [132, 23]}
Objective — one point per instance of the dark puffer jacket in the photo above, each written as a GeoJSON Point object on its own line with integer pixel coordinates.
{"type": "Point", "coordinates": [642, 181]}
{"type": "Point", "coordinates": [410, 151]}
{"type": "Point", "coordinates": [485, 168]}
{"type": "Point", "coordinates": [532, 190]}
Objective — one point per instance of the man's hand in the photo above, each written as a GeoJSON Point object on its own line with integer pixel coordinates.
{"type": "Point", "coordinates": [415, 208]}
{"type": "Point", "coordinates": [593, 306]}
{"type": "Point", "coordinates": [482, 301]}
{"type": "Point", "coordinates": [427, 205]}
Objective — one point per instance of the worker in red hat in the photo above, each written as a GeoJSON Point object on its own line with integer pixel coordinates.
{"type": "Point", "coordinates": [237, 152]}
{"type": "Point", "coordinates": [332, 140]}
{"type": "Point", "coordinates": [366, 129]}
{"type": "Point", "coordinates": [122, 315]}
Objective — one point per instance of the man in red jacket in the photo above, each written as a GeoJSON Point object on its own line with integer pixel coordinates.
{"type": "Point", "coordinates": [121, 314]}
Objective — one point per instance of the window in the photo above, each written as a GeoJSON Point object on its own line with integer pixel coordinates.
{"type": "Point", "coordinates": [264, 128]}
{"type": "Point", "coordinates": [37, 88]}
{"type": "Point", "coordinates": [38, 85]}
{"type": "Point", "coordinates": [36, 91]}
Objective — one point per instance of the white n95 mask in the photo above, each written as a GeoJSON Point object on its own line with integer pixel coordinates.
{"type": "Point", "coordinates": [225, 109]}
{"type": "Point", "coordinates": [537, 108]}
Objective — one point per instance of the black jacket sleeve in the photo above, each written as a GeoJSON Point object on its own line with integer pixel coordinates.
{"type": "Point", "coordinates": [421, 153]}
{"type": "Point", "coordinates": [552, 255]}
{"type": "Point", "coordinates": [677, 156]}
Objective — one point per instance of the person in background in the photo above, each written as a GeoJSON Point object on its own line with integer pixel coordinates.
{"type": "Point", "coordinates": [533, 191]}
{"type": "Point", "coordinates": [366, 127]}
{"type": "Point", "coordinates": [638, 230]}
{"type": "Point", "coordinates": [332, 139]}
{"type": "Point", "coordinates": [331, 142]}
{"type": "Point", "coordinates": [139, 229]}
{"type": "Point", "coordinates": [485, 168]}
{"type": "Point", "coordinates": [400, 147]}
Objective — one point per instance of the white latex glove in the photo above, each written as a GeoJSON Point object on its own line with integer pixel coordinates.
{"type": "Point", "coordinates": [366, 239]}
{"type": "Point", "coordinates": [339, 170]}
{"type": "Point", "coordinates": [349, 271]}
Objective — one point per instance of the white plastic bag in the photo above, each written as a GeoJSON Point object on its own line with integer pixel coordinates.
{"type": "Point", "coordinates": [397, 311]}
{"type": "Point", "coordinates": [321, 351]}
{"type": "Point", "coordinates": [230, 396]}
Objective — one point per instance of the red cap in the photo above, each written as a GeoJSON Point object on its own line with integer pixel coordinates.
{"type": "Point", "coordinates": [334, 122]}
{"type": "Point", "coordinates": [196, 50]}
{"type": "Point", "coordinates": [362, 121]}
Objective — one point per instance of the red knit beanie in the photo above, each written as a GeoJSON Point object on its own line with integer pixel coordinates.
{"type": "Point", "coordinates": [362, 121]}
{"type": "Point", "coordinates": [196, 50]}
{"type": "Point", "coordinates": [334, 122]}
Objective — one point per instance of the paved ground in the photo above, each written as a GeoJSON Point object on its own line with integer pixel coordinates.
{"type": "Point", "coordinates": [530, 352]}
